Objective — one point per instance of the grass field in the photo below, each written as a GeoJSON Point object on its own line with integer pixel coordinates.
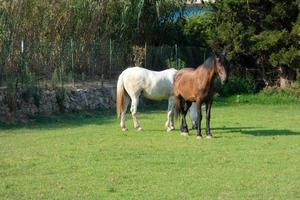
{"type": "Point", "coordinates": [255, 154]}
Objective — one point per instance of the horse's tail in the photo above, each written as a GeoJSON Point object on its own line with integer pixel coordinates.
{"type": "Point", "coordinates": [120, 95]}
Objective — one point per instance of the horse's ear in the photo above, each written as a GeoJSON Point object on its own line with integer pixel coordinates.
{"type": "Point", "coordinates": [223, 52]}
{"type": "Point", "coordinates": [214, 54]}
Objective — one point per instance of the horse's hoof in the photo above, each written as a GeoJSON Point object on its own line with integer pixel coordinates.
{"type": "Point", "coordinates": [140, 129]}
{"type": "Point", "coordinates": [208, 136]}
{"type": "Point", "coordinates": [194, 126]}
{"type": "Point", "coordinates": [184, 134]}
{"type": "Point", "coordinates": [199, 137]}
{"type": "Point", "coordinates": [170, 129]}
{"type": "Point", "coordinates": [124, 129]}
{"type": "Point", "coordinates": [166, 125]}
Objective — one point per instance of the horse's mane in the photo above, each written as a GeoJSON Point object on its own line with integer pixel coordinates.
{"type": "Point", "coordinates": [209, 62]}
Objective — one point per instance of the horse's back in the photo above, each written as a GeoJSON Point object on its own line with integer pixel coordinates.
{"type": "Point", "coordinates": [139, 73]}
{"type": "Point", "coordinates": [183, 75]}
{"type": "Point", "coordinates": [184, 82]}
{"type": "Point", "coordinates": [194, 83]}
{"type": "Point", "coordinates": [153, 84]}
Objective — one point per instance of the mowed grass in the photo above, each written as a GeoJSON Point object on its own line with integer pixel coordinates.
{"type": "Point", "coordinates": [255, 154]}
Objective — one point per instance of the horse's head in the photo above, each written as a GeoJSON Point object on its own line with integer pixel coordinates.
{"type": "Point", "coordinates": [221, 68]}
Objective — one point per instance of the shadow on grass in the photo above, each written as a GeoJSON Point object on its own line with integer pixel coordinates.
{"type": "Point", "coordinates": [78, 119]}
{"type": "Point", "coordinates": [266, 132]}
{"type": "Point", "coordinates": [65, 120]}
{"type": "Point", "coordinates": [257, 131]}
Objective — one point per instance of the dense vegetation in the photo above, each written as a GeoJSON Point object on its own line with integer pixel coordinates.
{"type": "Point", "coordinates": [261, 38]}
{"type": "Point", "coordinates": [79, 38]}
{"type": "Point", "coordinates": [75, 35]}
{"type": "Point", "coordinates": [263, 35]}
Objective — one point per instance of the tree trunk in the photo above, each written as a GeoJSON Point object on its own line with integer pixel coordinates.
{"type": "Point", "coordinates": [264, 77]}
{"type": "Point", "coordinates": [297, 74]}
{"type": "Point", "coordinates": [286, 75]}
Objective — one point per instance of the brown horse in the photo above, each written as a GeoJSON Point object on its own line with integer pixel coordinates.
{"type": "Point", "coordinates": [197, 85]}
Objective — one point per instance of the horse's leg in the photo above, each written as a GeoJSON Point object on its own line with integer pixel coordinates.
{"type": "Point", "coordinates": [170, 115]}
{"type": "Point", "coordinates": [208, 109]}
{"type": "Point", "coordinates": [133, 110]}
{"type": "Point", "coordinates": [126, 103]}
{"type": "Point", "coordinates": [184, 127]}
{"type": "Point", "coordinates": [199, 118]}
{"type": "Point", "coordinates": [193, 115]}
{"type": "Point", "coordinates": [181, 102]}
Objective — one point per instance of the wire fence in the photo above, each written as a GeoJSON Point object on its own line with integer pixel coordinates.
{"type": "Point", "coordinates": [80, 62]}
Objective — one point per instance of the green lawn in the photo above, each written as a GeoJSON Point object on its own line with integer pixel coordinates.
{"type": "Point", "coordinates": [255, 154]}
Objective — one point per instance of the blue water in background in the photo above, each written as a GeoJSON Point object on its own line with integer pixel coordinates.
{"type": "Point", "coordinates": [192, 11]}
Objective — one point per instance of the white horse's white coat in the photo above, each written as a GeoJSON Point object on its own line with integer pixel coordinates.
{"type": "Point", "coordinates": [153, 85]}
{"type": "Point", "coordinates": [193, 115]}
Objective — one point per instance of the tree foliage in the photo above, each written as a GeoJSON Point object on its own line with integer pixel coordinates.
{"type": "Point", "coordinates": [199, 30]}
{"type": "Point", "coordinates": [257, 33]}
{"type": "Point", "coordinates": [48, 27]}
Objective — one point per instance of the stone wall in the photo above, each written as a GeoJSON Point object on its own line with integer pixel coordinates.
{"type": "Point", "coordinates": [90, 96]}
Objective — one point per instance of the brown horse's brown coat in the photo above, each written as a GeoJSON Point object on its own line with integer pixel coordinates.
{"type": "Point", "coordinates": [197, 85]}
{"type": "Point", "coordinates": [194, 84]}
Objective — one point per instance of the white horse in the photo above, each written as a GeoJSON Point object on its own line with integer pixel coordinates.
{"type": "Point", "coordinates": [153, 85]}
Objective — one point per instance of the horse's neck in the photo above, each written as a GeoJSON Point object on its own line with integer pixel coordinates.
{"type": "Point", "coordinates": [206, 74]}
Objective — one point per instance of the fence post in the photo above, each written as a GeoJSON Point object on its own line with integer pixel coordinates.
{"type": "Point", "coordinates": [110, 57]}
{"type": "Point", "coordinates": [22, 66]}
{"type": "Point", "coordinates": [72, 61]}
{"type": "Point", "coordinates": [22, 47]}
{"type": "Point", "coordinates": [176, 56]}
{"type": "Point", "coordinates": [145, 60]}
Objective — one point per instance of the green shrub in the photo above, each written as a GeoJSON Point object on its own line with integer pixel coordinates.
{"type": "Point", "coordinates": [60, 94]}
{"type": "Point", "coordinates": [175, 63]}
{"type": "Point", "coordinates": [274, 99]}
{"type": "Point", "coordinates": [34, 92]}
{"type": "Point", "coordinates": [236, 85]}
{"type": "Point", "coordinates": [11, 94]}
{"type": "Point", "coordinates": [268, 95]}
{"type": "Point", "coordinates": [292, 91]}
{"type": "Point", "coordinates": [59, 77]}
{"type": "Point", "coordinates": [30, 89]}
